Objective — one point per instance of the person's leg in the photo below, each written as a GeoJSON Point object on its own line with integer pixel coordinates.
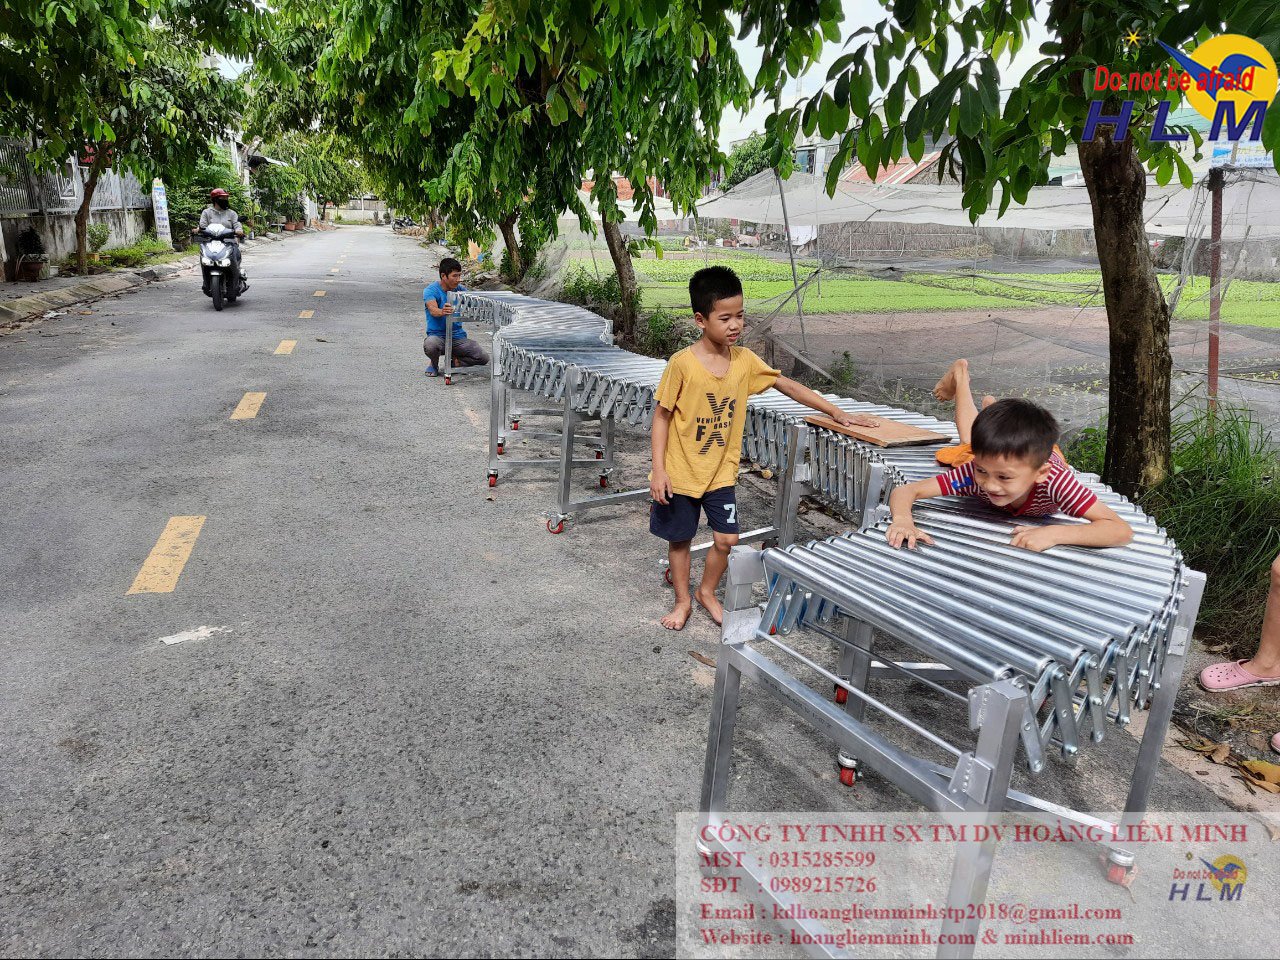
{"type": "Point", "coordinates": [676, 521]}
{"type": "Point", "coordinates": [433, 347]}
{"type": "Point", "coordinates": [469, 353]}
{"type": "Point", "coordinates": [721, 507]}
{"type": "Point", "coordinates": [1264, 669]}
{"type": "Point", "coordinates": [954, 385]}
{"type": "Point", "coordinates": [1266, 662]}
{"type": "Point", "coordinates": [678, 557]}
{"type": "Point", "coordinates": [712, 570]}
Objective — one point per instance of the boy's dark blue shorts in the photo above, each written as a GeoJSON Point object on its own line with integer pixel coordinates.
{"type": "Point", "coordinates": [677, 519]}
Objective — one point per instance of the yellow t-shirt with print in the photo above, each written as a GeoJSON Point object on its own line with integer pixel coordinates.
{"type": "Point", "coordinates": [708, 414]}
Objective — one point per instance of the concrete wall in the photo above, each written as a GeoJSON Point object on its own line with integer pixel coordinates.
{"type": "Point", "coordinates": [357, 215]}
{"type": "Point", "coordinates": [59, 233]}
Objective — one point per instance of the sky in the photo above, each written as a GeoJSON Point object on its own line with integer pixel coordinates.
{"type": "Point", "coordinates": [857, 13]}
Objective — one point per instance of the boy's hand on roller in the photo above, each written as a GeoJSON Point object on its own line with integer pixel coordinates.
{"type": "Point", "coordinates": [908, 533]}
{"type": "Point", "coordinates": [1035, 539]}
{"type": "Point", "coordinates": [856, 420]}
{"type": "Point", "coordinates": [660, 487]}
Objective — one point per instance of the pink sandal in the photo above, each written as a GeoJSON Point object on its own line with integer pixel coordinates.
{"type": "Point", "coordinates": [1233, 676]}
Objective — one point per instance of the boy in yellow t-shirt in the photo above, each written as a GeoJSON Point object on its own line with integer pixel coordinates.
{"type": "Point", "coordinates": [697, 436]}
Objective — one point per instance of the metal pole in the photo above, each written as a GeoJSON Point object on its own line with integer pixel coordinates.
{"type": "Point", "coordinates": [1215, 281]}
{"type": "Point", "coordinates": [795, 277]}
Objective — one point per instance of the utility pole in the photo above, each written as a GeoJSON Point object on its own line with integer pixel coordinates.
{"type": "Point", "coordinates": [1215, 280]}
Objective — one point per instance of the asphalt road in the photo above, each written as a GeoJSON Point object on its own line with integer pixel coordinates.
{"type": "Point", "coordinates": [423, 724]}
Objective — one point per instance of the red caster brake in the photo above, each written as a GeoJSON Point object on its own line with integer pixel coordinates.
{"type": "Point", "coordinates": [515, 424]}
{"type": "Point", "coordinates": [499, 449]}
{"type": "Point", "coordinates": [1121, 875]}
{"type": "Point", "coordinates": [599, 454]}
{"type": "Point", "coordinates": [557, 528]}
{"type": "Point", "coordinates": [848, 776]}
{"type": "Point", "coordinates": [842, 695]}
{"type": "Point", "coordinates": [773, 629]}
{"type": "Point", "coordinates": [493, 479]}
{"type": "Point", "coordinates": [448, 380]}
{"type": "Point", "coordinates": [604, 481]}
{"type": "Point", "coordinates": [666, 575]}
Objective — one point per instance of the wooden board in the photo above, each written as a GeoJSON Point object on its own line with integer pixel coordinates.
{"type": "Point", "coordinates": [890, 434]}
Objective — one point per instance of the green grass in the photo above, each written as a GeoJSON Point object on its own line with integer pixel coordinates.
{"type": "Point", "coordinates": [143, 252]}
{"type": "Point", "coordinates": [841, 295]}
{"type": "Point", "coordinates": [1251, 302]}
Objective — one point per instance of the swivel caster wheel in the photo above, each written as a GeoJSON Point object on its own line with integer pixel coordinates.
{"type": "Point", "coordinates": [500, 449]}
{"type": "Point", "coordinates": [493, 479]}
{"type": "Point", "coordinates": [604, 482]}
{"type": "Point", "coordinates": [515, 424]}
{"type": "Point", "coordinates": [842, 695]}
{"type": "Point", "coordinates": [599, 454]}
{"type": "Point", "coordinates": [666, 575]}
{"type": "Point", "coordinates": [555, 526]}
{"type": "Point", "coordinates": [848, 776]}
{"type": "Point", "coordinates": [448, 380]}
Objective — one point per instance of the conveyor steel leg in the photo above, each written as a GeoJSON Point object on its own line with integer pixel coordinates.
{"type": "Point", "coordinates": [1153, 736]}
{"type": "Point", "coordinates": [855, 666]}
{"type": "Point", "coordinates": [981, 784]}
{"type": "Point", "coordinates": [740, 620]}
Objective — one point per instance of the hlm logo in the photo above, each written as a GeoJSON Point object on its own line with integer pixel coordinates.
{"type": "Point", "coordinates": [1229, 80]}
{"type": "Point", "coordinates": [1227, 875]}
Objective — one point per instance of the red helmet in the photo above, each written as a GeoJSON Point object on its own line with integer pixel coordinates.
{"type": "Point", "coordinates": [218, 192]}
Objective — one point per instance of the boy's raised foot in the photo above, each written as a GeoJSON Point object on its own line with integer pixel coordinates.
{"type": "Point", "coordinates": [707, 600]}
{"type": "Point", "coordinates": [956, 378]}
{"type": "Point", "coordinates": [679, 615]}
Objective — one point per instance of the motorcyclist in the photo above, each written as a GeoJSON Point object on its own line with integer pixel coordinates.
{"type": "Point", "coordinates": [219, 211]}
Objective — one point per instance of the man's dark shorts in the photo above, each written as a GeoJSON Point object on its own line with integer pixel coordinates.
{"type": "Point", "coordinates": [677, 519]}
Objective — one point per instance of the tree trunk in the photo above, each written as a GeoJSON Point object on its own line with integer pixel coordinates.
{"type": "Point", "coordinates": [626, 279]}
{"type": "Point", "coordinates": [86, 204]}
{"type": "Point", "coordinates": [1137, 315]}
{"type": "Point", "coordinates": [508, 227]}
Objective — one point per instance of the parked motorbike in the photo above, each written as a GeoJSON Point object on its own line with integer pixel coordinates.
{"type": "Point", "coordinates": [401, 223]}
{"type": "Point", "coordinates": [220, 264]}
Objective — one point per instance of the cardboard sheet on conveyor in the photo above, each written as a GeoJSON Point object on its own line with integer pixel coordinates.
{"type": "Point", "coordinates": [888, 433]}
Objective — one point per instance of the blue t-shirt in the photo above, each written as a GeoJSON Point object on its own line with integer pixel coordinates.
{"type": "Point", "coordinates": [435, 325]}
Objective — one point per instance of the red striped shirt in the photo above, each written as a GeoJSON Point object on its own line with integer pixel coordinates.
{"type": "Point", "coordinates": [1060, 492]}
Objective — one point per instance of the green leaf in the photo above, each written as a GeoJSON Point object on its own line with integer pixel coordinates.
{"type": "Point", "coordinates": [1271, 131]}
{"type": "Point", "coordinates": [914, 126]}
{"type": "Point", "coordinates": [970, 112]}
{"type": "Point", "coordinates": [1164, 171]}
{"type": "Point", "coordinates": [1185, 176]}
{"type": "Point", "coordinates": [915, 149]}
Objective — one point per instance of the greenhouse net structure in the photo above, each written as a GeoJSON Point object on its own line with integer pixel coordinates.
{"type": "Point", "coordinates": [875, 290]}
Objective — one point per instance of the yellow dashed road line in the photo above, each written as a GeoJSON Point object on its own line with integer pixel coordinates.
{"type": "Point", "coordinates": [160, 572]}
{"type": "Point", "coordinates": [318, 293]}
{"type": "Point", "coordinates": [248, 406]}
{"type": "Point", "coordinates": [306, 314]}
{"type": "Point", "coordinates": [286, 346]}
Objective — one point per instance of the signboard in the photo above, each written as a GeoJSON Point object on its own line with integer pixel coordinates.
{"type": "Point", "coordinates": [160, 205]}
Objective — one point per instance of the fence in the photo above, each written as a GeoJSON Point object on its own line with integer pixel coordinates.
{"type": "Point", "coordinates": [24, 191]}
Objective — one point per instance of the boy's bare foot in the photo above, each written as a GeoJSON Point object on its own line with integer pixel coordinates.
{"type": "Point", "coordinates": [709, 603]}
{"type": "Point", "coordinates": [987, 401]}
{"type": "Point", "coordinates": [679, 615]}
{"type": "Point", "coordinates": [952, 381]}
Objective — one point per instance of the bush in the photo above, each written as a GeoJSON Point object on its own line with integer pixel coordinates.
{"type": "Point", "coordinates": [663, 333]}
{"type": "Point", "coordinates": [30, 243]}
{"type": "Point", "coordinates": [582, 287]}
{"type": "Point", "coordinates": [1221, 504]}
